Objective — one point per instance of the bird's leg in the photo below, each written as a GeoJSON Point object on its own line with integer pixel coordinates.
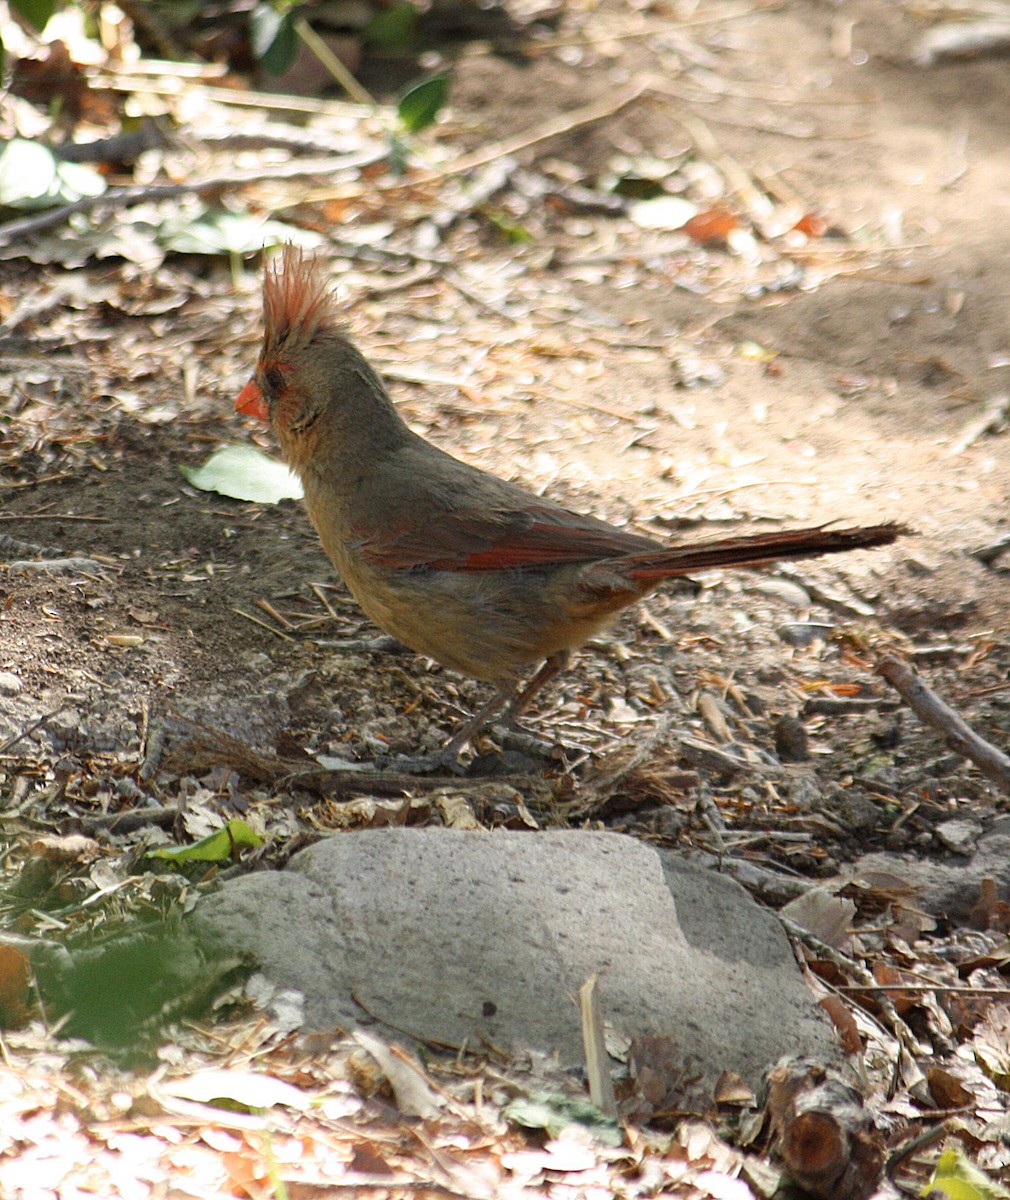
{"type": "Point", "coordinates": [552, 666]}
{"type": "Point", "coordinates": [506, 694]}
{"type": "Point", "coordinates": [448, 757]}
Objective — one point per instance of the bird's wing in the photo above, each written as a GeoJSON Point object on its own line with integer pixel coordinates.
{"type": "Point", "coordinates": [490, 540]}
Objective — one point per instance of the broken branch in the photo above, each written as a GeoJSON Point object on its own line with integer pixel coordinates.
{"type": "Point", "coordinates": [933, 711]}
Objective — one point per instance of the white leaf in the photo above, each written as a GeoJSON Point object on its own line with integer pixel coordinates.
{"type": "Point", "coordinates": [245, 473]}
{"type": "Point", "coordinates": [663, 212]}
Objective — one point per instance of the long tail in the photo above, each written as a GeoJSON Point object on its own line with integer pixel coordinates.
{"type": "Point", "coordinates": [755, 550]}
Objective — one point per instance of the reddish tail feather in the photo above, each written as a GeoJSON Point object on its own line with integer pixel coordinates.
{"type": "Point", "coordinates": [756, 550]}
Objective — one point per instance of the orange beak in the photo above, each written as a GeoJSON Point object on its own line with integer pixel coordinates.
{"type": "Point", "coordinates": [250, 401]}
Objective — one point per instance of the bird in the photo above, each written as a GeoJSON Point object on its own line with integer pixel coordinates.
{"type": "Point", "coordinates": [474, 571]}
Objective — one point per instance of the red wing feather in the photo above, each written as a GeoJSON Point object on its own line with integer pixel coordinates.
{"type": "Point", "coordinates": [500, 540]}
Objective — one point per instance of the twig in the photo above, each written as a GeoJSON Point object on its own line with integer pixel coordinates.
{"type": "Point", "coordinates": [17, 737]}
{"type": "Point", "coordinates": [51, 517]}
{"type": "Point", "coordinates": [991, 419]}
{"type": "Point", "coordinates": [554, 127]}
{"type": "Point", "coordinates": [130, 81]}
{"type": "Point", "coordinates": [837, 706]}
{"type": "Point", "coordinates": [564, 123]}
{"type": "Point", "coordinates": [866, 980]}
{"type": "Point", "coordinates": [270, 611]}
{"type": "Point", "coordinates": [910, 1147]}
{"type": "Point", "coordinates": [987, 555]}
{"type": "Point", "coordinates": [942, 988]}
{"type": "Point", "coordinates": [333, 64]}
{"type": "Point", "coordinates": [263, 625]}
{"type": "Point", "coordinates": [317, 588]}
{"type": "Point", "coordinates": [933, 711]}
{"type": "Point", "coordinates": [154, 749]}
{"type": "Point", "coordinates": [124, 197]}
{"type": "Point", "coordinates": [128, 821]}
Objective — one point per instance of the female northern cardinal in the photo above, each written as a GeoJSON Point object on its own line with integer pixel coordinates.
{"type": "Point", "coordinates": [477, 573]}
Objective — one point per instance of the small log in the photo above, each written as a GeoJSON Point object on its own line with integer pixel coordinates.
{"type": "Point", "coordinates": [827, 1139]}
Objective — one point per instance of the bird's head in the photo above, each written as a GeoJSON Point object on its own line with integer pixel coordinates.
{"type": "Point", "coordinates": [310, 382]}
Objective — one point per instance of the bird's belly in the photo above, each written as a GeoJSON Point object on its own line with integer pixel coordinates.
{"type": "Point", "coordinates": [487, 624]}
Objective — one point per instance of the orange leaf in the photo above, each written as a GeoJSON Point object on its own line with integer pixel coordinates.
{"type": "Point", "coordinates": [813, 225]}
{"type": "Point", "coordinates": [714, 225]}
{"type": "Point", "coordinates": [13, 988]}
{"type": "Point", "coordinates": [844, 1023]}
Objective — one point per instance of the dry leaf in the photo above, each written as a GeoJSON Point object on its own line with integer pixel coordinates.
{"type": "Point", "coordinates": [714, 225]}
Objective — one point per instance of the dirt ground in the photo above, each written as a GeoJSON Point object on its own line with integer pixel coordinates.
{"type": "Point", "coordinates": [836, 394]}
{"type": "Point", "coordinates": [842, 354]}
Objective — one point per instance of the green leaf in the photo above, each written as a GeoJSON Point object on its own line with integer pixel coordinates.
{"type": "Point", "coordinates": [272, 37]}
{"type": "Point", "coordinates": [958, 1179]}
{"type": "Point", "coordinates": [35, 12]}
{"type": "Point", "coordinates": [244, 473]}
{"type": "Point", "coordinates": [32, 177]}
{"type": "Point", "coordinates": [510, 230]}
{"type": "Point", "coordinates": [419, 107]}
{"type": "Point", "coordinates": [216, 847]}
{"type": "Point", "coordinates": [392, 28]}
{"type": "Point", "coordinates": [552, 1112]}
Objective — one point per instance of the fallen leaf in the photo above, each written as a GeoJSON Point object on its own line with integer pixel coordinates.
{"type": "Point", "coordinates": [959, 1179]}
{"type": "Point", "coordinates": [244, 473]}
{"type": "Point", "coordinates": [249, 1090]}
{"type": "Point", "coordinates": [663, 212]}
{"type": "Point", "coordinates": [219, 846]}
{"type": "Point", "coordinates": [415, 1097]}
{"type": "Point", "coordinates": [714, 225]}
{"type": "Point", "coordinates": [13, 988]}
{"type": "Point", "coordinates": [71, 847]}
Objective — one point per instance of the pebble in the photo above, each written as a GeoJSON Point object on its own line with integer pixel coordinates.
{"type": "Point", "coordinates": [10, 684]}
{"type": "Point", "coordinates": [785, 590]}
{"type": "Point", "coordinates": [804, 633]}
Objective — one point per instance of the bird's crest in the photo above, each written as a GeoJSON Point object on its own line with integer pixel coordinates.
{"type": "Point", "coordinates": [297, 303]}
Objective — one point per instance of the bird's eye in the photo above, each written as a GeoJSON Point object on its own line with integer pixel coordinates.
{"type": "Point", "coordinates": [274, 379]}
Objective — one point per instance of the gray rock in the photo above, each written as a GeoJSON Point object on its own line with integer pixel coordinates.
{"type": "Point", "coordinates": [10, 684]}
{"type": "Point", "coordinates": [56, 566]}
{"type": "Point", "coordinates": [782, 589]}
{"type": "Point", "coordinates": [947, 890]}
{"type": "Point", "coordinates": [960, 836]}
{"type": "Point", "coordinates": [453, 936]}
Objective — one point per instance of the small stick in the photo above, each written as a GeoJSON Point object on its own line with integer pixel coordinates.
{"type": "Point", "coordinates": [989, 420]}
{"type": "Point", "coordinates": [270, 611]}
{"type": "Point", "coordinates": [15, 738]}
{"type": "Point", "coordinates": [958, 735]}
{"type": "Point", "coordinates": [587, 114]}
{"type": "Point", "coordinates": [898, 1027]}
{"type": "Point", "coordinates": [838, 706]}
{"type": "Point", "coordinates": [943, 988]}
{"type": "Point", "coordinates": [333, 64]}
{"type": "Point", "coordinates": [601, 1087]}
{"type": "Point", "coordinates": [154, 749]}
{"type": "Point", "coordinates": [317, 588]}
{"type": "Point", "coordinates": [51, 517]}
{"type": "Point", "coordinates": [127, 821]}
{"type": "Point", "coordinates": [263, 625]}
